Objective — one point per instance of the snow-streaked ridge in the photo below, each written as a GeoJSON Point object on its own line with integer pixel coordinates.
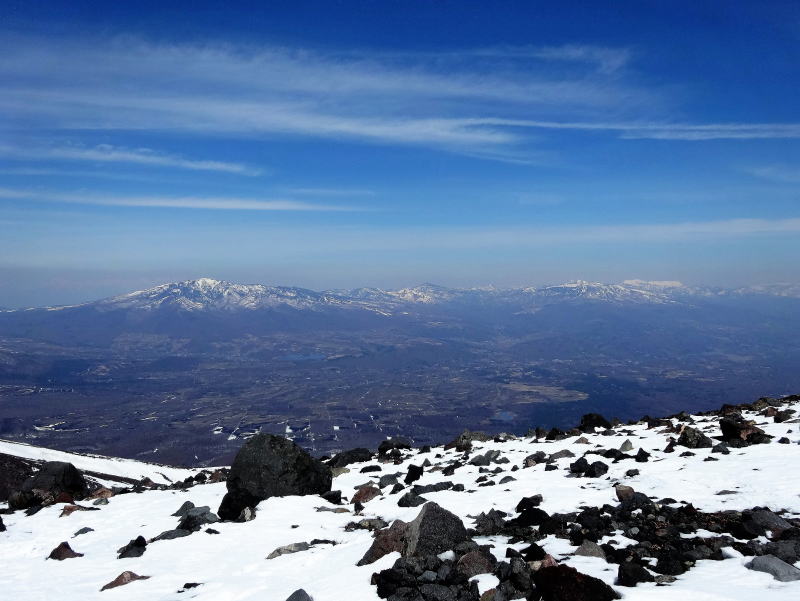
{"type": "Point", "coordinates": [207, 294]}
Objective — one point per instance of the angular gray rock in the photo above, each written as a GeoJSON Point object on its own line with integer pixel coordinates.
{"type": "Point", "coordinates": [694, 439]}
{"type": "Point", "coordinates": [590, 549]}
{"type": "Point", "coordinates": [433, 531]}
{"type": "Point", "coordinates": [288, 549]}
{"type": "Point", "coordinates": [779, 569]}
{"type": "Point", "coordinates": [386, 541]}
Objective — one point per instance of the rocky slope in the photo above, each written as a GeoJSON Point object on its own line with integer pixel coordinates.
{"type": "Point", "coordinates": [703, 507]}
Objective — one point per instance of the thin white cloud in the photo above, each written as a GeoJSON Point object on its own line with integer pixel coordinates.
{"type": "Point", "coordinates": [452, 238]}
{"type": "Point", "coordinates": [331, 192]}
{"type": "Point", "coordinates": [778, 173]}
{"type": "Point", "coordinates": [106, 153]}
{"type": "Point", "coordinates": [129, 84]}
{"type": "Point", "coordinates": [180, 202]}
{"type": "Point", "coordinates": [607, 60]}
{"type": "Point", "coordinates": [658, 131]}
{"type": "Point", "coordinates": [484, 108]}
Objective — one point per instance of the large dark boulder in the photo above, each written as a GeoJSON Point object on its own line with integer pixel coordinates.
{"type": "Point", "coordinates": [433, 531]}
{"type": "Point", "coordinates": [345, 458]}
{"type": "Point", "coordinates": [738, 432]}
{"type": "Point", "coordinates": [396, 443]}
{"type": "Point", "coordinates": [563, 583]}
{"type": "Point", "coordinates": [13, 473]}
{"type": "Point", "coordinates": [590, 421]}
{"type": "Point", "coordinates": [54, 481]}
{"type": "Point", "coordinates": [694, 439]}
{"type": "Point", "coordinates": [631, 574]}
{"type": "Point", "coordinates": [271, 466]}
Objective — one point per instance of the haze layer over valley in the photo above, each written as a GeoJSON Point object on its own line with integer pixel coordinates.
{"type": "Point", "coordinates": [184, 371]}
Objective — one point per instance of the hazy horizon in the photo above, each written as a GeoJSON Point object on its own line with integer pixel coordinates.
{"type": "Point", "coordinates": [59, 292]}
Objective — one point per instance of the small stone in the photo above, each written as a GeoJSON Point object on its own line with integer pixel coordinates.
{"type": "Point", "coordinates": [366, 494]}
{"type": "Point", "coordinates": [414, 474]}
{"type": "Point", "coordinates": [187, 505]}
{"type": "Point", "coordinates": [624, 492]}
{"type": "Point", "coordinates": [63, 551]}
{"type": "Point", "coordinates": [289, 549]}
{"type": "Point", "coordinates": [84, 530]}
{"type": "Point", "coordinates": [631, 574]}
{"type": "Point", "coordinates": [124, 578]}
{"type": "Point", "coordinates": [135, 548]}
{"type": "Point", "coordinates": [779, 569]}
{"type": "Point", "coordinates": [411, 500]}
{"type": "Point", "coordinates": [590, 549]}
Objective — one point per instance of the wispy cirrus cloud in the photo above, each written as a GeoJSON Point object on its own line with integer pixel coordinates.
{"type": "Point", "coordinates": [417, 99]}
{"type": "Point", "coordinates": [331, 192]}
{"type": "Point", "coordinates": [778, 173]}
{"type": "Point", "coordinates": [659, 131]}
{"type": "Point", "coordinates": [174, 202]}
{"type": "Point", "coordinates": [106, 153]}
{"type": "Point", "coordinates": [606, 59]}
{"type": "Point", "coordinates": [486, 108]}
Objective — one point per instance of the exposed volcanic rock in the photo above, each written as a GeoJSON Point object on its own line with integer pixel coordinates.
{"type": "Point", "coordinates": [56, 481]}
{"type": "Point", "coordinates": [134, 548]}
{"type": "Point", "coordinates": [271, 466]}
{"type": "Point", "coordinates": [646, 539]}
{"type": "Point", "coordinates": [365, 494]}
{"type": "Point", "coordinates": [563, 583]}
{"type": "Point", "coordinates": [123, 579]}
{"type": "Point", "coordinates": [433, 531]}
{"type": "Point", "coordinates": [463, 442]}
{"type": "Point", "coordinates": [591, 421]}
{"type": "Point", "coordinates": [14, 471]}
{"type": "Point", "coordinates": [779, 569]}
{"type": "Point", "coordinates": [694, 439]}
{"type": "Point", "coordinates": [738, 432]}
{"type": "Point", "coordinates": [393, 444]}
{"type": "Point", "coordinates": [345, 458]}
{"type": "Point", "coordinates": [631, 574]}
{"type": "Point", "coordinates": [63, 551]}
{"type": "Point", "coordinates": [386, 541]}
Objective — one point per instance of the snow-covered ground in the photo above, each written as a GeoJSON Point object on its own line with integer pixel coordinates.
{"type": "Point", "coordinates": [232, 565]}
{"type": "Point", "coordinates": [113, 466]}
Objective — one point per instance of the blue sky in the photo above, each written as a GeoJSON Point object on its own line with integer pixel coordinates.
{"type": "Point", "coordinates": [343, 144]}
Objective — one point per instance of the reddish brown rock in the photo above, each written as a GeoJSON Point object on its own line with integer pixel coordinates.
{"type": "Point", "coordinates": [563, 582]}
{"type": "Point", "coordinates": [102, 493]}
{"type": "Point", "coordinates": [124, 578]}
{"type": "Point", "coordinates": [386, 541]}
{"type": "Point", "coordinates": [62, 552]}
{"type": "Point", "coordinates": [70, 509]}
{"type": "Point", "coordinates": [733, 429]}
{"type": "Point", "coordinates": [476, 562]}
{"type": "Point", "coordinates": [623, 492]}
{"type": "Point", "coordinates": [64, 497]}
{"type": "Point", "coordinates": [366, 493]}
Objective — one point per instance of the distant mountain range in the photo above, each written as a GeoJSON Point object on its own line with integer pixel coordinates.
{"type": "Point", "coordinates": [197, 364]}
{"type": "Point", "coordinates": [206, 294]}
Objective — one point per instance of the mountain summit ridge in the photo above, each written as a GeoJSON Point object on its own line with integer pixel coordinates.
{"type": "Point", "coordinates": [211, 294]}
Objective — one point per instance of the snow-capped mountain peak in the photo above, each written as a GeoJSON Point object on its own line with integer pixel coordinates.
{"type": "Point", "coordinates": [596, 291]}
{"type": "Point", "coordinates": [208, 293]}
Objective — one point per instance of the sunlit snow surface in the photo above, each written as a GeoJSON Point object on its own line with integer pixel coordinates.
{"type": "Point", "coordinates": [232, 565]}
{"type": "Point", "coordinates": [126, 468]}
